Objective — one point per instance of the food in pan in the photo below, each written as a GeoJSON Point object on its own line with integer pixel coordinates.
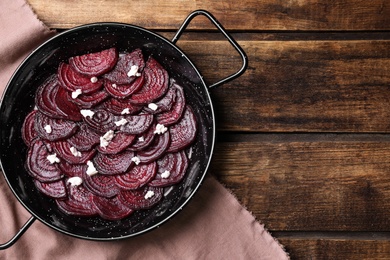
{"type": "Point", "coordinates": [109, 132]}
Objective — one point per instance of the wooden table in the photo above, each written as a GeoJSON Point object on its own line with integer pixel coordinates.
{"type": "Point", "coordinates": [303, 135]}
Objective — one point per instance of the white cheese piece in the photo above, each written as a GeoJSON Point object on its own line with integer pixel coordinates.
{"type": "Point", "coordinates": [76, 93]}
{"type": "Point", "coordinates": [165, 174]}
{"type": "Point", "coordinates": [75, 181]}
{"type": "Point", "coordinates": [149, 194]}
{"type": "Point", "coordinates": [133, 71]}
{"type": "Point", "coordinates": [125, 111]}
{"type": "Point", "coordinates": [74, 151]}
{"type": "Point", "coordinates": [113, 85]}
{"type": "Point", "coordinates": [153, 106]}
{"type": "Point", "coordinates": [87, 112]}
{"type": "Point", "coordinates": [136, 160]}
{"type": "Point", "coordinates": [160, 129]}
{"type": "Point", "coordinates": [91, 170]}
{"type": "Point", "coordinates": [94, 79]}
{"type": "Point", "coordinates": [53, 158]}
{"type": "Point", "coordinates": [141, 139]}
{"type": "Point", "coordinates": [121, 122]}
{"type": "Point", "coordinates": [48, 129]}
{"type": "Point", "coordinates": [106, 138]}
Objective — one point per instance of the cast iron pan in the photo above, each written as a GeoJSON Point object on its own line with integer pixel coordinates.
{"type": "Point", "coordinates": [18, 100]}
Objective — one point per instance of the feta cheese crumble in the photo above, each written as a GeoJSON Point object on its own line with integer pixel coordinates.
{"type": "Point", "coordinates": [75, 181]}
{"type": "Point", "coordinates": [76, 93]}
{"type": "Point", "coordinates": [53, 158]}
{"type": "Point", "coordinates": [141, 139]}
{"type": "Point", "coordinates": [87, 112]}
{"type": "Point", "coordinates": [94, 79]}
{"type": "Point", "coordinates": [91, 170]}
{"type": "Point", "coordinates": [106, 138]}
{"type": "Point", "coordinates": [133, 71]}
{"type": "Point", "coordinates": [48, 129]}
{"type": "Point", "coordinates": [136, 160]}
{"type": "Point", "coordinates": [74, 151]}
{"type": "Point", "coordinates": [160, 129]}
{"type": "Point", "coordinates": [165, 174]}
{"type": "Point", "coordinates": [153, 106]}
{"type": "Point", "coordinates": [149, 194]}
{"type": "Point", "coordinates": [121, 122]}
{"type": "Point", "coordinates": [125, 111]}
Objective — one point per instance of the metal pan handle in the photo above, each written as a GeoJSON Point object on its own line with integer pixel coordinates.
{"type": "Point", "coordinates": [19, 234]}
{"type": "Point", "coordinates": [227, 36]}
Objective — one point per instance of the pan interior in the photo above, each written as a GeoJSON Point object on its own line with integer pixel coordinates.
{"type": "Point", "coordinates": [18, 101]}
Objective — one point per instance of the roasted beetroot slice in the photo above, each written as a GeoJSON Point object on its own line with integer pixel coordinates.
{"type": "Point", "coordinates": [111, 208]}
{"type": "Point", "coordinates": [63, 150]}
{"type": "Point", "coordinates": [164, 104]}
{"type": "Point", "coordinates": [137, 177]}
{"type": "Point", "coordinates": [136, 124]}
{"type": "Point", "coordinates": [89, 100]}
{"type": "Point", "coordinates": [39, 167]}
{"type": "Point", "coordinates": [117, 107]}
{"type": "Point", "coordinates": [59, 128]}
{"type": "Point", "coordinates": [69, 109]}
{"type": "Point", "coordinates": [155, 86]}
{"type": "Point", "coordinates": [119, 143]}
{"type": "Point", "coordinates": [95, 64]}
{"type": "Point", "coordinates": [135, 199]}
{"type": "Point", "coordinates": [172, 116]}
{"type": "Point", "coordinates": [28, 128]}
{"type": "Point", "coordinates": [143, 140]}
{"type": "Point", "coordinates": [101, 121]}
{"type": "Point", "coordinates": [79, 202]}
{"type": "Point", "coordinates": [73, 170]}
{"type": "Point", "coordinates": [72, 80]}
{"type": "Point", "coordinates": [84, 139]}
{"type": "Point", "coordinates": [55, 189]}
{"type": "Point", "coordinates": [184, 132]}
{"type": "Point", "coordinates": [101, 185]}
{"type": "Point", "coordinates": [122, 91]}
{"type": "Point", "coordinates": [111, 164]}
{"type": "Point", "coordinates": [176, 164]}
{"type": "Point", "coordinates": [119, 74]}
{"type": "Point", "coordinates": [156, 149]}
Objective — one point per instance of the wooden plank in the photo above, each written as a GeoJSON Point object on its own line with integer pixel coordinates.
{"type": "Point", "coordinates": [306, 86]}
{"type": "Point", "coordinates": [299, 185]}
{"type": "Point", "coordinates": [346, 249]}
{"type": "Point", "coordinates": [234, 15]}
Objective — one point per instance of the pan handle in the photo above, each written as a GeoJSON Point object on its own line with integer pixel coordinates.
{"type": "Point", "coordinates": [227, 36]}
{"type": "Point", "coordinates": [19, 234]}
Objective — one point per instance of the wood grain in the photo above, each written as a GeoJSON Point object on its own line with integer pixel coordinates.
{"type": "Point", "coordinates": [315, 185]}
{"type": "Point", "coordinates": [234, 15]}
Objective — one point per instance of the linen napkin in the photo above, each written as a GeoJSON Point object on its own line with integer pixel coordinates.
{"type": "Point", "coordinates": [213, 226]}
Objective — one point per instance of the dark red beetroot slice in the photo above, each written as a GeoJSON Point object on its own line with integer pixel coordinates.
{"type": "Point", "coordinates": [73, 170]}
{"type": "Point", "coordinates": [71, 80]}
{"type": "Point", "coordinates": [119, 143]}
{"type": "Point", "coordinates": [156, 83]}
{"type": "Point", "coordinates": [176, 164]}
{"type": "Point", "coordinates": [79, 202]}
{"type": "Point", "coordinates": [95, 64]}
{"type": "Point", "coordinates": [119, 74]}
{"type": "Point", "coordinates": [69, 109]}
{"type": "Point", "coordinates": [172, 116]}
{"type": "Point", "coordinates": [184, 132]}
{"type": "Point", "coordinates": [137, 177]}
{"type": "Point", "coordinates": [165, 104]}
{"type": "Point", "coordinates": [111, 164]}
{"type": "Point", "coordinates": [112, 208]}
{"type": "Point", "coordinates": [84, 139]}
{"type": "Point", "coordinates": [136, 124]}
{"type": "Point", "coordinates": [156, 150]}
{"type": "Point", "coordinates": [122, 91]}
{"type": "Point", "coordinates": [101, 185]}
{"type": "Point", "coordinates": [89, 100]}
{"type": "Point", "coordinates": [135, 199]}
{"type": "Point", "coordinates": [63, 150]}
{"type": "Point", "coordinates": [60, 128]}
{"type": "Point", "coordinates": [39, 167]}
{"type": "Point", "coordinates": [116, 106]}
{"type": "Point", "coordinates": [28, 128]}
{"type": "Point", "coordinates": [143, 140]}
{"type": "Point", "coordinates": [55, 189]}
{"type": "Point", "coordinates": [101, 121]}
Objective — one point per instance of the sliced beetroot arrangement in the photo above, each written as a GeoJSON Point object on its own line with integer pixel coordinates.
{"type": "Point", "coordinates": [109, 133]}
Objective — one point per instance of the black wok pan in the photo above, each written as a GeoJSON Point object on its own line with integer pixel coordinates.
{"type": "Point", "coordinates": [18, 100]}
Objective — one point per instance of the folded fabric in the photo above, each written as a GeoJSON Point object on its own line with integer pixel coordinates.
{"type": "Point", "coordinates": [213, 226]}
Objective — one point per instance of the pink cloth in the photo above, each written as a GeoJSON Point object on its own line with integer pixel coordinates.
{"type": "Point", "coordinates": [213, 226]}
